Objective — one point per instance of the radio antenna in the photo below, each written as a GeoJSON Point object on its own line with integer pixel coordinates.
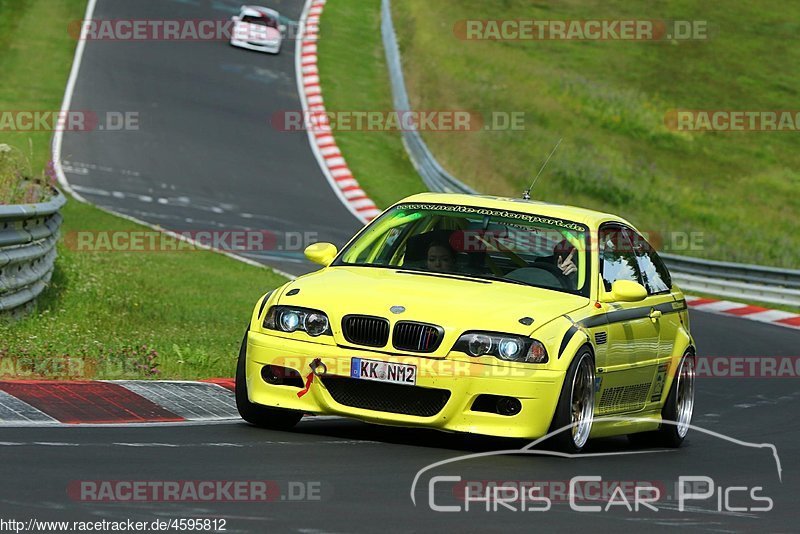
{"type": "Point", "coordinates": [526, 195]}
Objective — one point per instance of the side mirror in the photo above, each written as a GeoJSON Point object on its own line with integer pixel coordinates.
{"type": "Point", "coordinates": [321, 253]}
{"type": "Point", "coordinates": [626, 291]}
{"type": "Point", "coordinates": [282, 28]}
{"type": "Point", "coordinates": [235, 18]}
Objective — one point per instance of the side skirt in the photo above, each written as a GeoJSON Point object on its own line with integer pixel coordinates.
{"type": "Point", "coordinates": [621, 424]}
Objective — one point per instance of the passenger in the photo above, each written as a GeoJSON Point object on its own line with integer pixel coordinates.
{"type": "Point", "coordinates": [564, 254]}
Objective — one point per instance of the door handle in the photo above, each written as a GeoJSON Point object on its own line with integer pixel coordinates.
{"type": "Point", "coordinates": [655, 315]}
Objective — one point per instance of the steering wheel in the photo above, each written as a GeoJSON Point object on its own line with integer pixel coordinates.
{"type": "Point", "coordinates": [555, 271]}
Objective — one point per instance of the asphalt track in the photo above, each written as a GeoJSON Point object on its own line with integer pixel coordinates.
{"type": "Point", "coordinates": [362, 474]}
{"type": "Point", "coordinates": [206, 147]}
{"type": "Point", "coordinates": [205, 156]}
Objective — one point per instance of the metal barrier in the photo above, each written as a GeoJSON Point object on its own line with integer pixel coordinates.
{"type": "Point", "coordinates": [28, 237]}
{"type": "Point", "coordinates": [434, 176]}
{"type": "Point", "coordinates": [765, 284]}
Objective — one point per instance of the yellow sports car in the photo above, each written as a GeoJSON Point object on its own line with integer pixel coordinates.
{"type": "Point", "coordinates": [478, 314]}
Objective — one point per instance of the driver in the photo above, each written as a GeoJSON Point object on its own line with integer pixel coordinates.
{"type": "Point", "coordinates": [441, 257]}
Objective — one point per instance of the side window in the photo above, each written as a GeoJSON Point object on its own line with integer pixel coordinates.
{"type": "Point", "coordinates": [654, 273]}
{"type": "Point", "coordinates": [617, 258]}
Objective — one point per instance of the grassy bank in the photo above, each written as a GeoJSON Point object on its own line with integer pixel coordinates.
{"type": "Point", "coordinates": [111, 314]}
{"type": "Point", "coordinates": [608, 100]}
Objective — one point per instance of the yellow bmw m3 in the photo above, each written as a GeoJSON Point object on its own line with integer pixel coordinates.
{"type": "Point", "coordinates": [478, 314]}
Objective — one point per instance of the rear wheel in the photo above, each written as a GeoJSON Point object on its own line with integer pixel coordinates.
{"type": "Point", "coordinates": [256, 414]}
{"type": "Point", "coordinates": [677, 411]}
{"type": "Point", "coordinates": [575, 405]}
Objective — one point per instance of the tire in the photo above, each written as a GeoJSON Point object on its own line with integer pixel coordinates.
{"type": "Point", "coordinates": [255, 414]}
{"type": "Point", "coordinates": [580, 374]}
{"type": "Point", "coordinates": [677, 411]}
{"type": "Point", "coordinates": [679, 406]}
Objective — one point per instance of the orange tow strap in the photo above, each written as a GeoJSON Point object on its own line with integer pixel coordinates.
{"type": "Point", "coordinates": [310, 377]}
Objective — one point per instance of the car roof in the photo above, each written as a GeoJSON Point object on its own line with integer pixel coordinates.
{"type": "Point", "coordinates": [256, 11]}
{"type": "Point", "coordinates": [590, 218]}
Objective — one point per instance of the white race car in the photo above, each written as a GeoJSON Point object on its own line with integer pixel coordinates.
{"type": "Point", "coordinates": [258, 28]}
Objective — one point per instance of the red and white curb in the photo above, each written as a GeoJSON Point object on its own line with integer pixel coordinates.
{"type": "Point", "coordinates": [323, 144]}
{"type": "Point", "coordinates": [744, 311]}
{"type": "Point", "coordinates": [115, 402]}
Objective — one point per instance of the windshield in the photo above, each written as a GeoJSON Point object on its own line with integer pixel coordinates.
{"type": "Point", "coordinates": [476, 242]}
{"type": "Point", "coordinates": [260, 21]}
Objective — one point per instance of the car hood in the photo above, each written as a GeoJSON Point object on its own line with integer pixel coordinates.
{"type": "Point", "coordinates": [457, 304]}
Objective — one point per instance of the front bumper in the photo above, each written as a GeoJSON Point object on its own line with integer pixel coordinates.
{"type": "Point", "coordinates": [536, 389]}
{"type": "Point", "coordinates": [268, 48]}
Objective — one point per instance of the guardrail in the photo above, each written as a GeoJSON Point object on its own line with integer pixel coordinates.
{"type": "Point", "coordinates": [765, 284]}
{"type": "Point", "coordinates": [434, 176]}
{"type": "Point", "coordinates": [28, 237]}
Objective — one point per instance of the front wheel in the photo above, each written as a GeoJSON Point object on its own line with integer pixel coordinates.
{"type": "Point", "coordinates": [255, 414]}
{"type": "Point", "coordinates": [575, 405]}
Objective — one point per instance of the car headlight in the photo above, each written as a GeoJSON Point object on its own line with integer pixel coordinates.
{"type": "Point", "coordinates": [290, 319]}
{"type": "Point", "coordinates": [315, 324]}
{"type": "Point", "coordinates": [506, 347]}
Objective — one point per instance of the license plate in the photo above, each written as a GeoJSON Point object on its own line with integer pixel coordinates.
{"type": "Point", "coordinates": [396, 373]}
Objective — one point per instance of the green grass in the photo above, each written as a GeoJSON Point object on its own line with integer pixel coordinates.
{"type": "Point", "coordinates": [608, 100]}
{"type": "Point", "coordinates": [355, 78]}
{"type": "Point", "coordinates": [110, 310]}
{"type": "Point", "coordinates": [35, 57]}
{"type": "Point", "coordinates": [111, 314]}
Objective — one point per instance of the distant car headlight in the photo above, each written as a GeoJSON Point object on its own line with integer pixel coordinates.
{"type": "Point", "coordinates": [291, 319]}
{"type": "Point", "coordinates": [507, 347]}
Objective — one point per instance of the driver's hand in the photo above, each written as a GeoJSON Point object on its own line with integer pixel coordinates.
{"type": "Point", "coordinates": [567, 266]}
